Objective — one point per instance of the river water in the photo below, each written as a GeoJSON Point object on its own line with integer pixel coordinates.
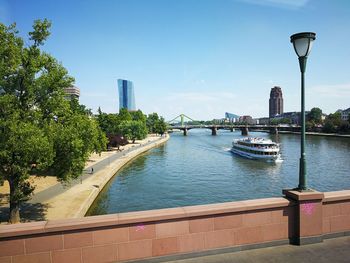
{"type": "Point", "coordinates": [200, 169]}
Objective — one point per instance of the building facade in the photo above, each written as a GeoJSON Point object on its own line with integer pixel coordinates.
{"type": "Point", "coordinates": [231, 118]}
{"type": "Point", "coordinates": [263, 121]}
{"type": "Point", "coordinates": [345, 114]}
{"type": "Point", "coordinates": [246, 119]}
{"type": "Point", "coordinates": [72, 93]}
{"type": "Point", "coordinates": [126, 95]}
{"type": "Point", "coordinates": [292, 117]}
{"type": "Point", "coordinates": [275, 102]}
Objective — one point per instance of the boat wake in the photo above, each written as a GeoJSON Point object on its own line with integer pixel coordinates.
{"type": "Point", "coordinates": [279, 161]}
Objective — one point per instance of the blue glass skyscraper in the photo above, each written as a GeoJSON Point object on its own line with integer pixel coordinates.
{"type": "Point", "coordinates": [126, 95]}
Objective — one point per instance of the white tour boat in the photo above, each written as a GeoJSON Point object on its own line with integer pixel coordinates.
{"type": "Point", "coordinates": [257, 148]}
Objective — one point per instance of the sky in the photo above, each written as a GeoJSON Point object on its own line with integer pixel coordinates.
{"type": "Point", "coordinates": [198, 57]}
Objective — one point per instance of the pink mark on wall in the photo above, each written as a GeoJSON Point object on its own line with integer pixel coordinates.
{"type": "Point", "coordinates": [308, 208]}
{"type": "Point", "coordinates": [140, 227]}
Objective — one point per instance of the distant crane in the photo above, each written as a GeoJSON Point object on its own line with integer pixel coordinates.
{"type": "Point", "coordinates": [182, 119]}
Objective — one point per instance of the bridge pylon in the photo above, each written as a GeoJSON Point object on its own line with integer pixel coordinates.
{"type": "Point", "coordinates": [245, 131]}
{"type": "Point", "coordinates": [182, 119]}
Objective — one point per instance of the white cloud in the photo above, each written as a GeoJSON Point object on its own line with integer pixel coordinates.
{"type": "Point", "coordinates": [291, 4]}
{"type": "Point", "coordinates": [334, 91]}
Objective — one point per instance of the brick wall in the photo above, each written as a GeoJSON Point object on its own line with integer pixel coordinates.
{"type": "Point", "coordinates": [336, 212]}
{"type": "Point", "coordinates": [146, 234]}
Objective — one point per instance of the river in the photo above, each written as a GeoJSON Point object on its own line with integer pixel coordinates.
{"type": "Point", "coordinates": [200, 169]}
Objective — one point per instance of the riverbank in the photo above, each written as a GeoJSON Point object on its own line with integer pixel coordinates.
{"type": "Point", "coordinates": [55, 201]}
{"type": "Point", "coordinates": [308, 133]}
{"type": "Point", "coordinates": [318, 134]}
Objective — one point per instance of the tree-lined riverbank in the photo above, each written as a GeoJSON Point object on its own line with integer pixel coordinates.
{"type": "Point", "coordinates": [74, 201]}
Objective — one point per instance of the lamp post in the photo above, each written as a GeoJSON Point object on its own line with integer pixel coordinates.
{"type": "Point", "coordinates": [302, 43]}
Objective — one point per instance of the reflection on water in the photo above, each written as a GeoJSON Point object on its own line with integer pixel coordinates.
{"type": "Point", "coordinates": [200, 169]}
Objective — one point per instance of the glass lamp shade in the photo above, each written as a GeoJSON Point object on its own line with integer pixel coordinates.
{"type": "Point", "coordinates": [302, 43]}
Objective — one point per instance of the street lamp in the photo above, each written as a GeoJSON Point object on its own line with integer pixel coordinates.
{"type": "Point", "coordinates": [302, 43]}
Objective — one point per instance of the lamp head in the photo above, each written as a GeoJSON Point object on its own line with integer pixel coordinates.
{"type": "Point", "coordinates": [302, 43]}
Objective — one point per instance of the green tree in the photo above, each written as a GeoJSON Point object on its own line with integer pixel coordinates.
{"type": "Point", "coordinates": [344, 127]}
{"type": "Point", "coordinates": [332, 122]}
{"type": "Point", "coordinates": [109, 123]}
{"type": "Point", "coordinates": [138, 116]}
{"type": "Point", "coordinates": [101, 141]}
{"type": "Point", "coordinates": [315, 116]}
{"type": "Point", "coordinates": [329, 127]}
{"type": "Point", "coordinates": [133, 130]}
{"type": "Point", "coordinates": [79, 108]}
{"type": "Point", "coordinates": [151, 122]}
{"type": "Point", "coordinates": [38, 127]}
{"type": "Point", "coordinates": [161, 126]}
{"type": "Point", "coordinates": [335, 118]}
{"type": "Point", "coordinates": [309, 125]}
{"type": "Point", "coordinates": [124, 115]}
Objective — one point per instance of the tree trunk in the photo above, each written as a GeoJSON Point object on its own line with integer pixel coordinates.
{"type": "Point", "coordinates": [14, 216]}
{"type": "Point", "coordinates": [14, 213]}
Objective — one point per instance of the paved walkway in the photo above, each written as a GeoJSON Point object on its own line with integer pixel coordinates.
{"type": "Point", "coordinates": [334, 250]}
{"type": "Point", "coordinates": [73, 200]}
{"type": "Point", "coordinates": [59, 188]}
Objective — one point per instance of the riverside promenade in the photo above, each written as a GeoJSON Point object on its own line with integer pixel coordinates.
{"type": "Point", "coordinates": [59, 201]}
{"type": "Point", "coordinates": [75, 202]}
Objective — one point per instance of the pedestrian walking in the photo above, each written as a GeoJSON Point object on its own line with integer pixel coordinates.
{"type": "Point", "coordinates": [92, 170]}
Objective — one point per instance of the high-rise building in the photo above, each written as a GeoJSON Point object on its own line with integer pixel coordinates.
{"type": "Point", "coordinates": [231, 117]}
{"type": "Point", "coordinates": [126, 95]}
{"type": "Point", "coordinates": [275, 102]}
{"type": "Point", "coordinates": [72, 92]}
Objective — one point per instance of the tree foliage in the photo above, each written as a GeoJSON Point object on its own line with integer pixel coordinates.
{"type": "Point", "coordinates": [161, 126]}
{"type": "Point", "coordinates": [38, 127]}
{"type": "Point", "coordinates": [138, 116]}
{"type": "Point", "coordinates": [133, 130]}
{"type": "Point", "coordinates": [156, 124]}
{"type": "Point", "coordinates": [124, 115]}
{"type": "Point", "coordinates": [151, 122]}
{"type": "Point", "coordinates": [132, 125]}
{"type": "Point", "coordinates": [109, 123]}
{"type": "Point", "coordinates": [315, 116]}
{"type": "Point", "coordinates": [334, 123]}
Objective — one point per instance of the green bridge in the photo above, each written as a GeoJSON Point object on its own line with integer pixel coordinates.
{"type": "Point", "coordinates": [245, 128]}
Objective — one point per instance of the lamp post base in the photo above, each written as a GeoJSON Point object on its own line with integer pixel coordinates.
{"type": "Point", "coordinates": [308, 227]}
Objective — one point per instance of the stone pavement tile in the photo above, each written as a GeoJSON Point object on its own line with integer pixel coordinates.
{"type": "Point", "coordinates": [335, 250]}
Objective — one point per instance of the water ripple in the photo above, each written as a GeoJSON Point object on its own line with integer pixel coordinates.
{"type": "Point", "coordinates": [199, 169]}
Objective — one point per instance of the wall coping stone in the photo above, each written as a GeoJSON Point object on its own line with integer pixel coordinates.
{"type": "Point", "coordinates": [303, 196]}
{"type": "Point", "coordinates": [336, 196]}
{"type": "Point", "coordinates": [138, 217]}
{"type": "Point", "coordinates": [23, 229]}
